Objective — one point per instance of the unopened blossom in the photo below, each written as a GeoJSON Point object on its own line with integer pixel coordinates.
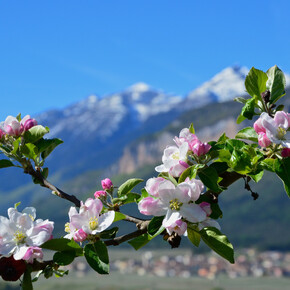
{"type": "Point", "coordinates": [88, 221]}
{"type": "Point", "coordinates": [2, 133]}
{"type": "Point", "coordinates": [100, 193]}
{"type": "Point", "coordinates": [21, 235]}
{"type": "Point", "coordinates": [174, 159]}
{"type": "Point", "coordinates": [285, 152]}
{"type": "Point", "coordinates": [11, 269]}
{"type": "Point", "coordinates": [276, 128]}
{"type": "Point", "coordinates": [263, 140]}
{"type": "Point", "coordinates": [27, 122]}
{"type": "Point", "coordinates": [199, 148]}
{"type": "Point", "coordinates": [152, 185]}
{"type": "Point", "coordinates": [107, 184]}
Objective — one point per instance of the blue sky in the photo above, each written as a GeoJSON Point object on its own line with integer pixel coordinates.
{"type": "Point", "coordinates": [54, 53]}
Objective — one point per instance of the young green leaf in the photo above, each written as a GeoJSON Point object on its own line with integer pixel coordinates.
{"type": "Point", "coordinates": [5, 163]}
{"type": "Point", "coordinates": [155, 225]}
{"type": "Point", "coordinates": [218, 242]}
{"type": "Point", "coordinates": [127, 186]}
{"type": "Point", "coordinates": [282, 169]}
{"type": "Point", "coordinates": [119, 216]}
{"type": "Point", "coordinates": [248, 133]}
{"type": "Point", "coordinates": [46, 146]}
{"type": "Point", "coordinates": [35, 133]}
{"type": "Point", "coordinates": [64, 258]}
{"type": "Point", "coordinates": [191, 129]}
{"type": "Point", "coordinates": [140, 241]}
{"type": "Point", "coordinates": [255, 82]}
{"type": "Point", "coordinates": [97, 257]}
{"type": "Point", "coordinates": [193, 236]}
{"type": "Point", "coordinates": [209, 178]}
{"type": "Point", "coordinates": [29, 150]}
{"type": "Point", "coordinates": [62, 245]}
{"type": "Point", "coordinates": [276, 83]}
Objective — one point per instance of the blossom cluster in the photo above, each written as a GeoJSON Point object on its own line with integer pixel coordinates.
{"type": "Point", "coordinates": [274, 130]}
{"type": "Point", "coordinates": [21, 235]}
{"type": "Point", "coordinates": [12, 127]}
{"type": "Point", "coordinates": [175, 158]}
{"type": "Point", "coordinates": [89, 221]}
{"type": "Point", "coordinates": [177, 203]}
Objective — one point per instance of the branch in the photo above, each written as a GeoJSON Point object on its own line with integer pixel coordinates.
{"type": "Point", "coordinates": [45, 183]}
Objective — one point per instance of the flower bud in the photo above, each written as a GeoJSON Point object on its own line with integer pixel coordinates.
{"type": "Point", "coordinates": [285, 152]}
{"type": "Point", "coordinates": [2, 134]}
{"type": "Point", "coordinates": [100, 193]}
{"type": "Point", "coordinates": [199, 148]}
{"type": "Point", "coordinates": [107, 184]}
{"type": "Point", "coordinates": [28, 123]}
{"type": "Point", "coordinates": [11, 269]}
{"type": "Point", "coordinates": [80, 235]}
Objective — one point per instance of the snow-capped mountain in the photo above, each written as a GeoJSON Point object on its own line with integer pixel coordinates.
{"type": "Point", "coordinates": [224, 86]}
{"type": "Point", "coordinates": [105, 115]}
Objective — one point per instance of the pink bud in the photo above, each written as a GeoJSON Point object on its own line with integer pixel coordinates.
{"type": "Point", "coordinates": [199, 148]}
{"type": "Point", "coordinates": [263, 140]}
{"type": "Point", "coordinates": [285, 152]}
{"type": "Point", "coordinates": [33, 253]}
{"type": "Point", "coordinates": [100, 193]}
{"type": "Point", "coordinates": [29, 123]}
{"type": "Point", "coordinates": [80, 235]}
{"type": "Point", "coordinates": [2, 133]}
{"type": "Point", "coordinates": [107, 183]}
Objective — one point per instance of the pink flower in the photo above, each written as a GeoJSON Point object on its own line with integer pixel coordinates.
{"type": "Point", "coordinates": [152, 185]}
{"type": "Point", "coordinates": [2, 133]}
{"type": "Point", "coordinates": [32, 253]}
{"type": "Point", "coordinates": [151, 206]}
{"type": "Point", "coordinates": [263, 140]}
{"type": "Point", "coordinates": [107, 184]}
{"type": "Point", "coordinates": [199, 148]}
{"type": "Point", "coordinates": [177, 226]}
{"type": "Point", "coordinates": [28, 122]}
{"type": "Point", "coordinates": [100, 193]}
{"type": "Point", "coordinates": [285, 152]}
{"type": "Point", "coordinates": [184, 136]}
{"type": "Point", "coordinates": [80, 235]}
{"type": "Point", "coordinates": [12, 126]}
{"type": "Point", "coordinates": [259, 127]}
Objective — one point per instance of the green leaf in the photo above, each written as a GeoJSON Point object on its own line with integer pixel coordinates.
{"type": "Point", "coordinates": [257, 175]}
{"type": "Point", "coordinates": [248, 133]}
{"type": "Point", "coordinates": [255, 82]}
{"type": "Point", "coordinates": [240, 119]}
{"type": "Point", "coordinates": [209, 178]}
{"type": "Point", "coordinates": [119, 216]}
{"type": "Point", "coordinates": [127, 186]}
{"type": "Point", "coordinates": [240, 100]}
{"type": "Point", "coordinates": [248, 111]}
{"type": "Point", "coordinates": [268, 164]}
{"type": "Point", "coordinates": [131, 197]}
{"type": "Point", "coordinates": [46, 146]}
{"type": "Point", "coordinates": [140, 241]}
{"type": "Point", "coordinates": [191, 129]}
{"type": "Point", "coordinates": [168, 176]}
{"type": "Point", "coordinates": [29, 150]}
{"type": "Point", "coordinates": [109, 234]}
{"type": "Point", "coordinates": [193, 236]}
{"type": "Point", "coordinates": [190, 172]}
{"type": "Point", "coordinates": [220, 167]}
{"type": "Point", "coordinates": [218, 242]}
{"type": "Point", "coordinates": [276, 83]}
{"type": "Point", "coordinates": [27, 282]}
{"type": "Point", "coordinates": [282, 169]}
{"type": "Point", "coordinates": [155, 225]}
{"type": "Point", "coordinates": [5, 163]}
{"type": "Point", "coordinates": [62, 244]}
{"type": "Point", "coordinates": [16, 144]}
{"type": "Point", "coordinates": [223, 138]}
{"type": "Point", "coordinates": [232, 144]}
{"type": "Point", "coordinates": [240, 162]}
{"type": "Point", "coordinates": [64, 258]}
{"type": "Point", "coordinates": [35, 133]}
{"type": "Point", "coordinates": [97, 257]}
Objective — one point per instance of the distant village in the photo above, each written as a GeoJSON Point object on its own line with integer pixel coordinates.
{"type": "Point", "coordinates": [249, 263]}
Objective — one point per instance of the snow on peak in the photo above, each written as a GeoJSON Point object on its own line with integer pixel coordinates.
{"type": "Point", "coordinates": [224, 86]}
{"type": "Point", "coordinates": [139, 87]}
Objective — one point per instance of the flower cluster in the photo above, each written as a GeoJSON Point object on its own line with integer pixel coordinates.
{"type": "Point", "coordinates": [108, 187]}
{"type": "Point", "coordinates": [177, 203]}
{"type": "Point", "coordinates": [175, 158]}
{"type": "Point", "coordinates": [21, 235]}
{"type": "Point", "coordinates": [12, 127]}
{"type": "Point", "coordinates": [88, 221]}
{"type": "Point", "coordinates": [274, 130]}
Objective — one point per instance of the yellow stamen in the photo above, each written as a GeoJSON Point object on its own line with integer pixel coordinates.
{"type": "Point", "coordinates": [19, 237]}
{"type": "Point", "coordinates": [67, 228]}
{"type": "Point", "coordinates": [93, 223]}
{"type": "Point", "coordinates": [175, 156]}
{"type": "Point", "coordinates": [175, 204]}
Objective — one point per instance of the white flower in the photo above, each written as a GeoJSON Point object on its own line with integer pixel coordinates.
{"type": "Point", "coordinates": [21, 234]}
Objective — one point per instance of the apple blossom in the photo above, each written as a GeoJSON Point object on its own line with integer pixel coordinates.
{"type": "Point", "coordinates": [88, 221]}
{"type": "Point", "coordinates": [2, 133]}
{"type": "Point", "coordinates": [12, 126]}
{"type": "Point", "coordinates": [171, 160]}
{"type": "Point", "coordinates": [184, 136]}
{"type": "Point", "coordinates": [276, 128]}
{"type": "Point", "coordinates": [21, 235]}
{"type": "Point", "coordinates": [176, 203]}
{"type": "Point", "coordinates": [199, 148]}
